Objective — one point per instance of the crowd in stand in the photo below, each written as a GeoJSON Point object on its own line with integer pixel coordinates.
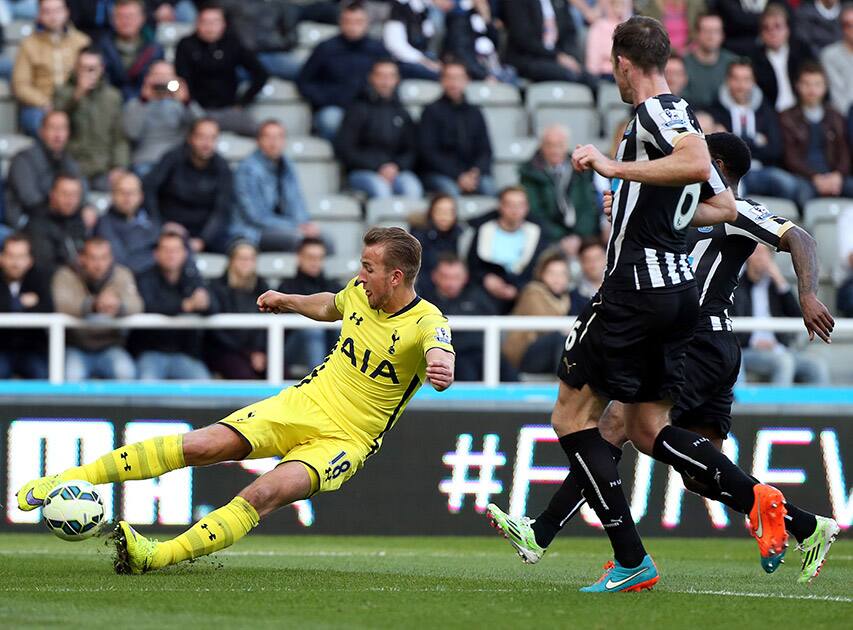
{"type": "Point", "coordinates": [110, 110]}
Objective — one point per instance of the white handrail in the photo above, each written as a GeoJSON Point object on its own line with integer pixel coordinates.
{"type": "Point", "coordinates": [57, 323]}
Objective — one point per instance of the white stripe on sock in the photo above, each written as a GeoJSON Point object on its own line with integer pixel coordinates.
{"type": "Point", "coordinates": [592, 481]}
{"type": "Point", "coordinates": [572, 512]}
{"type": "Point", "coordinates": [683, 456]}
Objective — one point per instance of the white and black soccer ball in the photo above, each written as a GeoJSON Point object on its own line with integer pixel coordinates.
{"type": "Point", "coordinates": [73, 510]}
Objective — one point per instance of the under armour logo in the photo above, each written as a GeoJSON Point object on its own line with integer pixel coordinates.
{"type": "Point", "coordinates": [699, 441]}
{"type": "Point", "coordinates": [124, 457]}
{"type": "Point", "coordinates": [356, 318]}
{"type": "Point", "coordinates": [394, 339]}
{"type": "Point", "coordinates": [210, 534]}
{"type": "Point", "coordinates": [616, 483]}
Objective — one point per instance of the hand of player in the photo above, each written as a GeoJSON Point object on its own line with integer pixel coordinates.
{"type": "Point", "coordinates": [816, 317]}
{"type": "Point", "coordinates": [607, 205]}
{"type": "Point", "coordinates": [272, 302]}
{"type": "Point", "coordinates": [587, 156]}
{"type": "Point", "coordinates": [440, 373]}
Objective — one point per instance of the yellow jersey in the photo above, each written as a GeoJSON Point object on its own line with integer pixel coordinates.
{"type": "Point", "coordinates": [377, 364]}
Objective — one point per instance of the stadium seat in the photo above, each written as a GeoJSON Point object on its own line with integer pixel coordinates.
{"type": "Point", "coordinates": [8, 110]}
{"type": "Point", "coordinates": [508, 154]}
{"type": "Point", "coordinates": [490, 94]}
{"type": "Point", "coordinates": [170, 33]}
{"type": "Point", "coordinates": [10, 144]}
{"type": "Point", "coordinates": [100, 201]}
{"type": "Point", "coordinates": [235, 148]}
{"type": "Point", "coordinates": [345, 235]}
{"type": "Point", "coordinates": [308, 148]}
{"type": "Point", "coordinates": [16, 30]}
{"type": "Point", "coordinates": [821, 220]}
{"type": "Point", "coordinates": [558, 93]}
{"type": "Point", "coordinates": [329, 207]}
{"type": "Point", "coordinates": [211, 265]}
{"type": "Point", "coordinates": [279, 91]}
{"type": "Point", "coordinates": [583, 122]}
{"type": "Point", "coordinates": [393, 210]}
{"type": "Point", "coordinates": [295, 116]}
{"type": "Point", "coordinates": [418, 92]}
{"type": "Point", "coordinates": [824, 209]}
{"type": "Point", "coordinates": [341, 268]}
{"type": "Point", "coordinates": [505, 123]}
{"type": "Point", "coordinates": [274, 266]}
{"type": "Point", "coordinates": [611, 108]}
{"type": "Point", "coordinates": [312, 33]}
{"type": "Point", "coordinates": [778, 205]}
{"type": "Point", "coordinates": [473, 206]}
{"type": "Point", "coordinates": [318, 172]}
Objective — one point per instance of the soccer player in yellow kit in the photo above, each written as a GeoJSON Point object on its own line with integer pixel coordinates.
{"type": "Point", "coordinates": [324, 428]}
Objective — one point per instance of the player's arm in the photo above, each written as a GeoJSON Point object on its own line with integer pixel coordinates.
{"type": "Point", "coordinates": [688, 163]}
{"type": "Point", "coordinates": [440, 366]}
{"type": "Point", "coordinates": [803, 250]}
{"type": "Point", "coordinates": [720, 208]}
{"type": "Point", "coordinates": [320, 306]}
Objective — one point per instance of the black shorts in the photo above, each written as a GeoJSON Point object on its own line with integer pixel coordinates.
{"type": "Point", "coordinates": [630, 346]}
{"type": "Point", "coordinates": [711, 370]}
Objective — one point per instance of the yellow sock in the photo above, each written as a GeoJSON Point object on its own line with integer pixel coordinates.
{"type": "Point", "coordinates": [219, 529]}
{"type": "Point", "coordinates": [142, 460]}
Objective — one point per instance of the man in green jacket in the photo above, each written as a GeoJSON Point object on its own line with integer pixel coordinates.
{"type": "Point", "coordinates": [564, 203]}
{"type": "Point", "coordinates": [94, 109]}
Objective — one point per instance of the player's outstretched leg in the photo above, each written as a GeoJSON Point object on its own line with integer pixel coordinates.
{"type": "Point", "coordinates": [144, 460]}
{"type": "Point", "coordinates": [289, 482]}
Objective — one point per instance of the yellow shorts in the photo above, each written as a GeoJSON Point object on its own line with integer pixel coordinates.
{"type": "Point", "coordinates": [294, 427]}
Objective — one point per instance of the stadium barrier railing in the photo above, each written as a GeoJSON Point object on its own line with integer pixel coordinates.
{"type": "Point", "coordinates": [492, 327]}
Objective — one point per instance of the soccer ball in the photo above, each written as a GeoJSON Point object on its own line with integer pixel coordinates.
{"type": "Point", "coordinates": [73, 510]}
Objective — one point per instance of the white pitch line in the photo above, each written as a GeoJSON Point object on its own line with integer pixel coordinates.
{"type": "Point", "coordinates": [821, 598]}
{"type": "Point", "coordinates": [397, 589]}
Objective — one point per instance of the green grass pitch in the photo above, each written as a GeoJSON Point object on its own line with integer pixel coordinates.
{"type": "Point", "coordinates": [358, 582]}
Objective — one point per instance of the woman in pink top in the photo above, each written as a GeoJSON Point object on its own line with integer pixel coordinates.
{"type": "Point", "coordinates": [600, 37]}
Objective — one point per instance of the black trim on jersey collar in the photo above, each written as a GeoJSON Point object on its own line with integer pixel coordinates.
{"type": "Point", "coordinates": [408, 307]}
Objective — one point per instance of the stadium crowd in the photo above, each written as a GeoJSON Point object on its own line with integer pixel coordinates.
{"type": "Point", "coordinates": [112, 110]}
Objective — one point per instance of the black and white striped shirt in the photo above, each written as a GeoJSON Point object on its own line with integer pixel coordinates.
{"type": "Point", "coordinates": [718, 253]}
{"type": "Point", "coordinates": [647, 249]}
